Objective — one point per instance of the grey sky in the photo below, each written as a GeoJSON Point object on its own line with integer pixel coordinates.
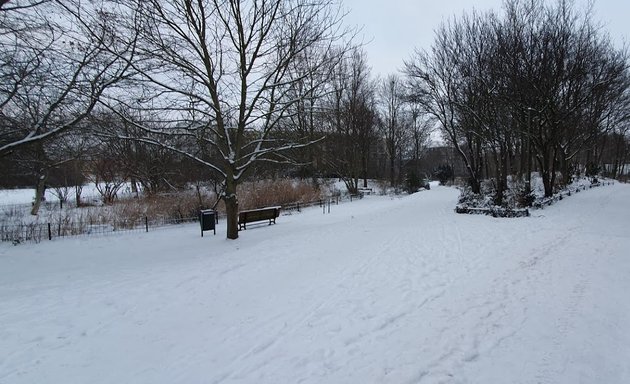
{"type": "Point", "coordinates": [393, 28]}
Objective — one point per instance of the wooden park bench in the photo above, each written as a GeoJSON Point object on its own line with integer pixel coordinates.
{"type": "Point", "coordinates": [261, 214]}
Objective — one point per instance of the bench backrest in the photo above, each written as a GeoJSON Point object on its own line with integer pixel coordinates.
{"type": "Point", "coordinates": [258, 214]}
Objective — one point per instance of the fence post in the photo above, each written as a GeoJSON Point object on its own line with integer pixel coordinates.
{"type": "Point", "coordinates": [298, 207]}
{"type": "Point", "coordinates": [146, 224]}
{"type": "Point", "coordinates": [328, 205]}
{"type": "Point", "coordinates": [49, 232]}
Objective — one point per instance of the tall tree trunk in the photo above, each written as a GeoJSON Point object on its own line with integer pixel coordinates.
{"type": "Point", "coordinates": [475, 185]}
{"type": "Point", "coordinates": [77, 194]}
{"type": "Point", "coordinates": [499, 164]}
{"type": "Point", "coordinates": [545, 172]}
{"type": "Point", "coordinates": [502, 172]}
{"type": "Point", "coordinates": [392, 170]}
{"type": "Point", "coordinates": [134, 187]}
{"type": "Point", "coordinates": [365, 162]}
{"type": "Point", "coordinates": [567, 164]}
{"type": "Point", "coordinates": [522, 164]}
{"type": "Point", "coordinates": [40, 188]}
{"type": "Point", "coordinates": [545, 157]}
{"type": "Point", "coordinates": [547, 183]}
{"type": "Point", "coordinates": [231, 207]}
{"type": "Point", "coordinates": [473, 164]}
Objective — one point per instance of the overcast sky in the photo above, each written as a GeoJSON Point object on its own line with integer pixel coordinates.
{"type": "Point", "coordinates": [393, 28]}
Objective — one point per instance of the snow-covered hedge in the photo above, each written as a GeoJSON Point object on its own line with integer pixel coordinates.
{"type": "Point", "coordinates": [517, 200]}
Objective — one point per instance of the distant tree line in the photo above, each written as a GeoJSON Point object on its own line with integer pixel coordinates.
{"type": "Point", "coordinates": [164, 94]}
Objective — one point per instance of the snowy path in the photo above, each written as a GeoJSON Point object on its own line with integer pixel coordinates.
{"type": "Point", "coordinates": [379, 291]}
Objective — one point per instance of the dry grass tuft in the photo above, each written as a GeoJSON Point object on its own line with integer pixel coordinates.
{"type": "Point", "coordinates": [264, 193]}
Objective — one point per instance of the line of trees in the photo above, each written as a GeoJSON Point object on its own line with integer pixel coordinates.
{"type": "Point", "coordinates": [538, 84]}
{"type": "Point", "coordinates": [164, 93]}
{"type": "Point", "coordinates": [133, 88]}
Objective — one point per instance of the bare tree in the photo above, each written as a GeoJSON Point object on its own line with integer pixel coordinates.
{"type": "Point", "coordinates": [419, 135]}
{"type": "Point", "coordinates": [57, 60]}
{"type": "Point", "coordinates": [394, 120]}
{"type": "Point", "coordinates": [351, 120]}
{"type": "Point", "coordinates": [435, 84]}
{"type": "Point", "coordinates": [218, 71]}
{"type": "Point", "coordinates": [306, 116]}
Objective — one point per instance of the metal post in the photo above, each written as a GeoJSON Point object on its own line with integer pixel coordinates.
{"type": "Point", "coordinates": [49, 232]}
{"type": "Point", "coordinates": [328, 205]}
{"type": "Point", "coordinates": [146, 223]}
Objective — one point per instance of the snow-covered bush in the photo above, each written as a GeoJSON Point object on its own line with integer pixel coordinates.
{"type": "Point", "coordinates": [412, 182]}
{"type": "Point", "coordinates": [443, 173]}
{"type": "Point", "coordinates": [475, 200]}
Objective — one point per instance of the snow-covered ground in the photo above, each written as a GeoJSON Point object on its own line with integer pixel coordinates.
{"type": "Point", "coordinates": [382, 290]}
{"type": "Point", "coordinates": [22, 196]}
